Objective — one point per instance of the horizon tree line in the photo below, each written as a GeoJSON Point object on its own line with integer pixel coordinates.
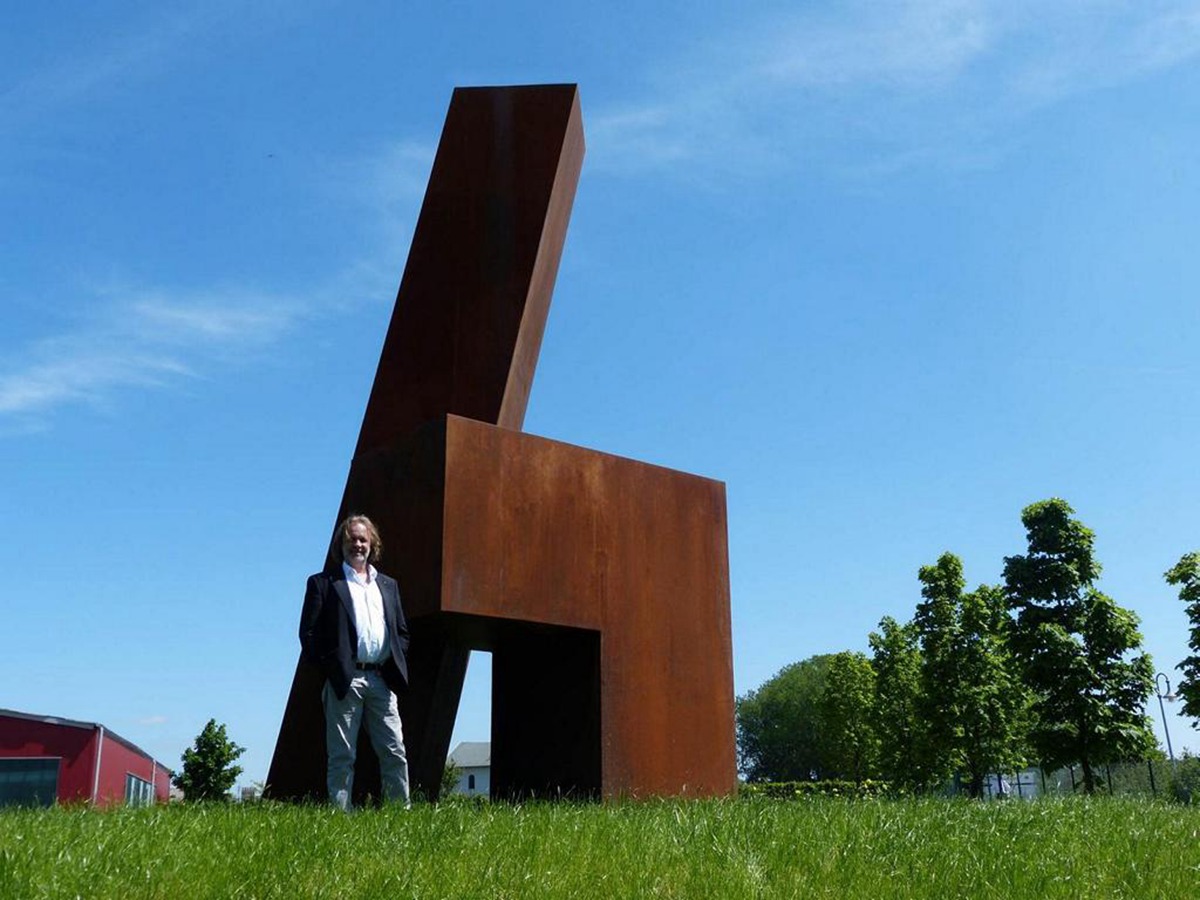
{"type": "Point", "coordinates": [1043, 669]}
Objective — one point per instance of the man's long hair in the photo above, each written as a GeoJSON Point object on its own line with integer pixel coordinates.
{"type": "Point", "coordinates": [339, 535]}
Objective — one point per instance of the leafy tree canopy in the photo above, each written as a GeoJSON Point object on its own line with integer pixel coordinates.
{"type": "Point", "coordinates": [971, 702]}
{"type": "Point", "coordinates": [849, 746]}
{"type": "Point", "coordinates": [1186, 575]}
{"type": "Point", "coordinates": [896, 660]}
{"type": "Point", "coordinates": [1079, 651]}
{"type": "Point", "coordinates": [778, 724]}
{"type": "Point", "coordinates": [451, 775]}
{"type": "Point", "coordinates": [208, 765]}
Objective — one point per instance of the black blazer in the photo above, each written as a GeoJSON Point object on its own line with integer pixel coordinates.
{"type": "Point", "coordinates": [328, 638]}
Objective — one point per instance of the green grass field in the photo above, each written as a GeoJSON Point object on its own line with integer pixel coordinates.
{"type": "Point", "coordinates": [815, 848]}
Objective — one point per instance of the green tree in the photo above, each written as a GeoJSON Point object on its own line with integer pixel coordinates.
{"type": "Point", "coordinates": [896, 660]}
{"type": "Point", "coordinates": [1186, 574]}
{"type": "Point", "coordinates": [778, 725]}
{"type": "Point", "coordinates": [208, 765]}
{"type": "Point", "coordinates": [939, 704]}
{"type": "Point", "coordinates": [971, 701]}
{"type": "Point", "coordinates": [994, 702]}
{"type": "Point", "coordinates": [848, 744]}
{"type": "Point", "coordinates": [1078, 650]}
{"type": "Point", "coordinates": [451, 775]}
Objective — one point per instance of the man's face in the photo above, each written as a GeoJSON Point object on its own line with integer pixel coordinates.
{"type": "Point", "coordinates": [356, 545]}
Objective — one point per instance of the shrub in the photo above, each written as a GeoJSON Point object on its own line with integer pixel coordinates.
{"type": "Point", "coordinates": [208, 766]}
{"type": "Point", "coordinates": [800, 790]}
{"type": "Point", "coordinates": [1185, 779]}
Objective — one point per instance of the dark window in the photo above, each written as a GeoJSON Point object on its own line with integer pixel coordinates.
{"type": "Point", "coordinates": [28, 782]}
{"type": "Point", "coordinates": [138, 791]}
{"type": "Point", "coordinates": [470, 782]}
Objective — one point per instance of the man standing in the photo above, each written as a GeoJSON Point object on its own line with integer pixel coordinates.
{"type": "Point", "coordinates": [352, 628]}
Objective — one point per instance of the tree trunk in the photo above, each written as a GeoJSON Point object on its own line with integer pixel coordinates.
{"type": "Point", "coordinates": [974, 784]}
{"type": "Point", "coordinates": [1089, 780]}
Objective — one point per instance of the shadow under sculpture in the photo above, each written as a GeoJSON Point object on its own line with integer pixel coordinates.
{"type": "Point", "coordinates": [599, 584]}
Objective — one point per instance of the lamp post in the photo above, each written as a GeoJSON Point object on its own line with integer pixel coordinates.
{"type": "Point", "coordinates": [1159, 680]}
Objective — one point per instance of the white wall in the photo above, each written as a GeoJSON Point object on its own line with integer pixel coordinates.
{"type": "Point", "coordinates": [482, 775]}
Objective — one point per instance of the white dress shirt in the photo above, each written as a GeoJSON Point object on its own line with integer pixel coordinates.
{"type": "Point", "coordinates": [368, 615]}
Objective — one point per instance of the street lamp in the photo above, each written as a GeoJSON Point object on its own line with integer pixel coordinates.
{"type": "Point", "coordinates": [1159, 680]}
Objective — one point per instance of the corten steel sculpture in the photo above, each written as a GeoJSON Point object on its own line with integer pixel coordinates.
{"type": "Point", "coordinates": [599, 584]}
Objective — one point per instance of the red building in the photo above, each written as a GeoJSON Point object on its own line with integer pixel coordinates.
{"type": "Point", "coordinates": [44, 759]}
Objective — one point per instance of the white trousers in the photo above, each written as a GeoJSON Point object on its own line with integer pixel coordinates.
{"type": "Point", "coordinates": [371, 699]}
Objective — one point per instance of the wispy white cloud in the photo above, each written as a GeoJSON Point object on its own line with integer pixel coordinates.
{"type": "Point", "coordinates": [149, 337]}
{"type": "Point", "coordinates": [48, 382]}
{"type": "Point", "coordinates": [884, 84]}
{"type": "Point", "coordinates": [231, 316]}
{"type": "Point", "coordinates": [137, 52]}
{"type": "Point", "coordinates": [877, 86]}
{"type": "Point", "coordinates": [138, 338]}
{"type": "Point", "coordinates": [906, 45]}
{"type": "Point", "coordinates": [1167, 40]}
{"type": "Point", "coordinates": [135, 48]}
{"type": "Point", "coordinates": [1088, 46]}
{"type": "Point", "coordinates": [393, 173]}
{"type": "Point", "coordinates": [386, 182]}
{"type": "Point", "coordinates": [153, 720]}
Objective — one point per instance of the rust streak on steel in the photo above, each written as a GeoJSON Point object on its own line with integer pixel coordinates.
{"type": "Point", "coordinates": [540, 531]}
{"type": "Point", "coordinates": [471, 310]}
{"type": "Point", "coordinates": [600, 584]}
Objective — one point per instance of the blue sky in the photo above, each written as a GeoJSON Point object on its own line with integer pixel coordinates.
{"type": "Point", "coordinates": [890, 270]}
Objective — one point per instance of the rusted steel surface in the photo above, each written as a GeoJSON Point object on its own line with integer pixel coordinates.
{"type": "Point", "coordinates": [540, 531]}
{"type": "Point", "coordinates": [464, 338]}
{"type": "Point", "coordinates": [600, 584]}
{"type": "Point", "coordinates": [471, 309]}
